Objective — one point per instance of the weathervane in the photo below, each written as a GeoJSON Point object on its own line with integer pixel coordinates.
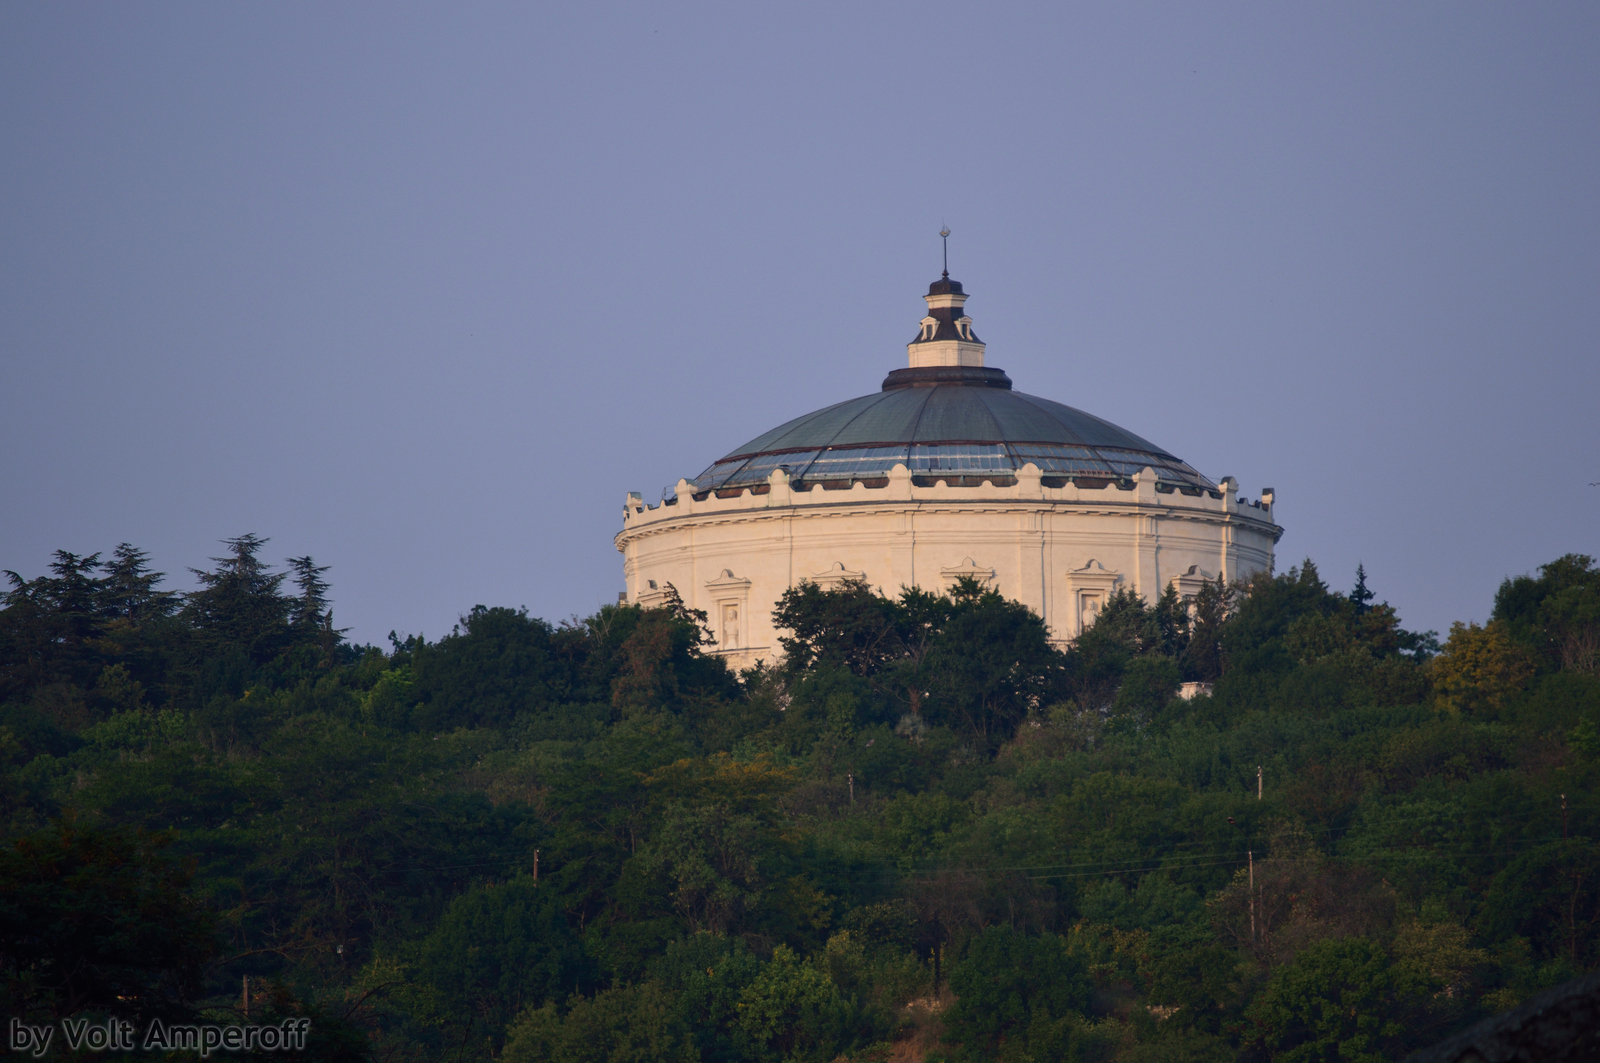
{"type": "Point", "coordinates": [944, 234]}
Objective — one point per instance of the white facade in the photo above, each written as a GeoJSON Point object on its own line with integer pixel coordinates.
{"type": "Point", "coordinates": [1061, 551]}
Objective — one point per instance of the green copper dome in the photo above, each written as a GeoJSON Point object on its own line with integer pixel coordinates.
{"type": "Point", "coordinates": [961, 422]}
{"type": "Point", "coordinates": [948, 417]}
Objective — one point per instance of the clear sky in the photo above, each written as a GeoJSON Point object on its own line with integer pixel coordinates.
{"type": "Point", "coordinates": [423, 290]}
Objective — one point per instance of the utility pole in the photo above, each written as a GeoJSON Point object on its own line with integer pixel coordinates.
{"type": "Point", "coordinates": [851, 776]}
{"type": "Point", "coordinates": [536, 867]}
{"type": "Point", "coordinates": [1252, 857]}
{"type": "Point", "coordinates": [1258, 782]}
{"type": "Point", "coordinates": [1563, 817]}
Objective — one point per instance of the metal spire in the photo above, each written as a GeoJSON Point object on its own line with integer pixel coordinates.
{"type": "Point", "coordinates": [944, 234]}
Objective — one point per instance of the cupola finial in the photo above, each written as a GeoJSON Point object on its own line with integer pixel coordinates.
{"type": "Point", "coordinates": [945, 336]}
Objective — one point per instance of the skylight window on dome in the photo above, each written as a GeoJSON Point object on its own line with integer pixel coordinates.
{"type": "Point", "coordinates": [1070, 466]}
{"type": "Point", "coordinates": [1060, 459]}
{"type": "Point", "coordinates": [760, 467]}
{"type": "Point", "coordinates": [1130, 469]}
{"type": "Point", "coordinates": [1117, 454]}
{"type": "Point", "coordinates": [1052, 452]}
{"type": "Point", "coordinates": [960, 457]}
{"type": "Point", "coordinates": [716, 474]}
{"type": "Point", "coordinates": [855, 462]}
{"type": "Point", "coordinates": [754, 470]}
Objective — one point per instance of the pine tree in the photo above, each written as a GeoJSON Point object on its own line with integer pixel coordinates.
{"type": "Point", "coordinates": [309, 614]}
{"type": "Point", "coordinates": [47, 625]}
{"type": "Point", "coordinates": [238, 602]}
{"type": "Point", "coordinates": [1360, 595]}
{"type": "Point", "coordinates": [310, 610]}
{"type": "Point", "coordinates": [1171, 615]}
{"type": "Point", "coordinates": [128, 590]}
{"type": "Point", "coordinates": [1204, 659]}
{"type": "Point", "coordinates": [69, 595]}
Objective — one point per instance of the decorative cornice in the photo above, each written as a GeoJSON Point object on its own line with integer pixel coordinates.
{"type": "Point", "coordinates": [728, 584]}
{"type": "Point", "coordinates": [841, 510]}
{"type": "Point", "coordinates": [653, 596]}
{"type": "Point", "coordinates": [967, 568]}
{"type": "Point", "coordinates": [831, 578]}
{"type": "Point", "coordinates": [900, 494]}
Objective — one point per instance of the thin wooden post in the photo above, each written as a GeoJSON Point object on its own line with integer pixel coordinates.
{"type": "Point", "coordinates": [246, 995]}
{"type": "Point", "coordinates": [536, 867]}
{"type": "Point", "coordinates": [1252, 857]}
{"type": "Point", "coordinates": [1258, 782]}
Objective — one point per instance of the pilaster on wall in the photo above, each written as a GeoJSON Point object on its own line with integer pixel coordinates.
{"type": "Point", "coordinates": [903, 535]}
{"type": "Point", "coordinates": [1030, 590]}
{"type": "Point", "coordinates": [1230, 504]}
{"type": "Point", "coordinates": [1146, 574]}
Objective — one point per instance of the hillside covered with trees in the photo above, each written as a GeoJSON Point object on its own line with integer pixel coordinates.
{"type": "Point", "coordinates": [925, 834]}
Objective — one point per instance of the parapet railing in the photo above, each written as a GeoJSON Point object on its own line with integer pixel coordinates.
{"type": "Point", "coordinates": [1026, 484]}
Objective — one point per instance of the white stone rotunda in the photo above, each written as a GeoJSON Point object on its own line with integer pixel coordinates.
{"type": "Point", "coordinates": [944, 472]}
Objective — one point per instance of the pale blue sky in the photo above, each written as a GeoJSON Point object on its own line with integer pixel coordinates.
{"type": "Point", "coordinates": [424, 290]}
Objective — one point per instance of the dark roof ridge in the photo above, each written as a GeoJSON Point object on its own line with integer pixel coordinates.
{"type": "Point", "coordinates": [935, 375]}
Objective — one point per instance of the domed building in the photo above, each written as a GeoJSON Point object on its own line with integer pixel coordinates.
{"type": "Point", "coordinates": [945, 471]}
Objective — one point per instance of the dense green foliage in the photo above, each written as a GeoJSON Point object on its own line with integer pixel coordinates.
{"type": "Point", "coordinates": [927, 829]}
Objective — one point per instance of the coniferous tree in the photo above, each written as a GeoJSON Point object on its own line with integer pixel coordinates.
{"type": "Point", "coordinates": [48, 624]}
{"type": "Point", "coordinates": [1202, 658]}
{"type": "Point", "coordinates": [71, 594]}
{"type": "Point", "coordinates": [310, 610]}
{"type": "Point", "coordinates": [239, 604]}
{"type": "Point", "coordinates": [309, 614]}
{"type": "Point", "coordinates": [1360, 595]}
{"type": "Point", "coordinates": [128, 589]}
{"type": "Point", "coordinates": [1171, 616]}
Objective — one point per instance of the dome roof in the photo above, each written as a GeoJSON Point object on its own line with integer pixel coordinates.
{"type": "Point", "coordinates": [942, 422]}
{"type": "Point", "coordinates": [947, 417]}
